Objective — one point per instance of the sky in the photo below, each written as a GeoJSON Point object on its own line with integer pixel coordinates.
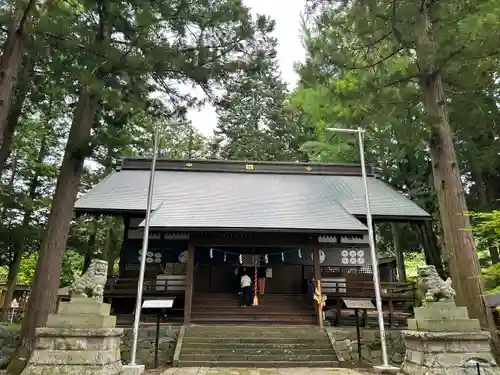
{"type": "Point", "coordinates": [286, 13]}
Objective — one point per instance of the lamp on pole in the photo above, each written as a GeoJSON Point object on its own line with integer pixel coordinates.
{"type": "Point", "coordinates": [145, 242]}
{"type": "Point", "coordinates": [385, 368]}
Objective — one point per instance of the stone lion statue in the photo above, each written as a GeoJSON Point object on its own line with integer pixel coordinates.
{"type": "Point", "coordinates": [91, 283]}
{"type": "Point", "coordinates": [435, 288]}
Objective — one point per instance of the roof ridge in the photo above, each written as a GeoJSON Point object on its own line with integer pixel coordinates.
{"type": "Point", "coordinates": [240, 166]}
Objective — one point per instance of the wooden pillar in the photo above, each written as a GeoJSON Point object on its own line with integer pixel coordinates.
{"type": "Point", "coordinates": [317, 281]}
{"type": "Point", "coordinates": [188, 296]}
{"type": "Point", "coordinates": [398, 250]}
{"type": "Point", "coordinates": [316, 264]}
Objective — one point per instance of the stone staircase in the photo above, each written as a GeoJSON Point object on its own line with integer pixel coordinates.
{"type": "Point", "coordinates": [255, 346]}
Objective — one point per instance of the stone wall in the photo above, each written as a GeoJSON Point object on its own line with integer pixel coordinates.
{"type": "Point", "coordinates": [347, 345]}
{"type": "Point", "coordinates": [9, 338]}
{"type": "Point", "coordinates": [146, 344]}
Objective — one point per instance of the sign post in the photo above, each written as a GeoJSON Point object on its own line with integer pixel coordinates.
{"type": "Point", "coordinates": [358, 304]}
{"type": "Point", "coordinates": [158, 305]}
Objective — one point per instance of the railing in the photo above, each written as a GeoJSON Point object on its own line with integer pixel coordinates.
{"type": "Point", "coordinates": [340, 287]}
{"type": "Point", "coordinates": [392, 293]}
{"type": "Point", "coordinates": [161, 285]}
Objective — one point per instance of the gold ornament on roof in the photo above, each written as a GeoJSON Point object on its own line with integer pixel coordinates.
{"type": "Point", "coordinates": [309, 169]}
{"type": "Point", "coordinates": [249, 167]}
{"type": "Point", "coordinates": [189, 165]}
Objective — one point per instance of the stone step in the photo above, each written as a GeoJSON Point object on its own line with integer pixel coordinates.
{"type": "Point", "coordinates": [259, 364]}
{"type": "Point", "coordinates": [250, 340]}
{"type": "Point", "coordinates": [261, 333]}
{"type": "Point", "coordinates": [257, 350]}
{"type": "Point", "coordinates": [257, 334]}
{"type": "Point", "coordinates": [255, 358]}
{"type": "Point", "coordinates": [202, 346]}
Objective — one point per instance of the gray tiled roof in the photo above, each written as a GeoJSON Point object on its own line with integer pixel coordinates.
{"type": "Point", "coordinates": [184, 199]}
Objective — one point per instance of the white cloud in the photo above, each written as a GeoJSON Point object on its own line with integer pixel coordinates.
{"type": "Point", "coordinates": [286, 13]}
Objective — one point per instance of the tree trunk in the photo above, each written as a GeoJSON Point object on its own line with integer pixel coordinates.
{"type": "Point", "coordinates": [90, 250]}
{"type": "Point", "coordinates": [398, 250]}
{"type": "Point", "coordinates": [432, 251]}
{"type": "Point", "coordinates": [43, 295]}
{"type": "Point", "coordinates": [464, 264]}
{"type": "Point", "coordinates": [15, 112]}
{"type": "Point", "coordinates": [11, 62]}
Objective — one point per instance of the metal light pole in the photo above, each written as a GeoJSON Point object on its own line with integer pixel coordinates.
{"type": "Point", "coordinates": [371, 237]}
{"type": "Point", "coordinates": [145, 242]}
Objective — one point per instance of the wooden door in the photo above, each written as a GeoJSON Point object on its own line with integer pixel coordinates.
{"type": "Point", "coordinates": [223, 279]}
{"type": "Point", "coordinates": [202, 278]}
{"type": "Point", "coordinates": [286, 279]}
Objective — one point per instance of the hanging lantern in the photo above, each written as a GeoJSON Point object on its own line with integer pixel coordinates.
{"type": "Point", "coordinates": [266, 259]}
{"type": "Point", "coordinates": [299, 253]}
{"type": "Point", "coordinates": [211, 253]}
{"type": "Point", "coordinates": [241, 258]}
{"type": "Point", "coordinates": [282, 257]}
{"type": "Point", "coordinates": [225, 257]}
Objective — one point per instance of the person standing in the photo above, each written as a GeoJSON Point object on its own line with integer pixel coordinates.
{"type": "Point", "coordinates": [246, 290]}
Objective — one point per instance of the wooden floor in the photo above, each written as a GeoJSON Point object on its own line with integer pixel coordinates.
{"type": "Point", "coordinates": [273, 309]}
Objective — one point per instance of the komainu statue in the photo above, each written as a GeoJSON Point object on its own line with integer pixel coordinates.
{"type": "Point", "coordinates": [91, 283]}
{"type": "Point", "coordinates": [435, 288]}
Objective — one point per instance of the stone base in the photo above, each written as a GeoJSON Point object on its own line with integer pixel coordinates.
{"type": "Point", "coordinates": [381, 369]}
{"type": "Point", "coordinates": [438, 353]}
{"type": "Point", "coordinates": [82, 313]}
{"type": "Point", "coordinates": [133, 369]}
{"type": "Point", "coordinates": [443, 317]}
{"type": "Point", "coordinates": [76, 351]}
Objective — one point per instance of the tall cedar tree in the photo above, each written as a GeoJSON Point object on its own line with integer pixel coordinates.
{"type": "Point", "coordinates": [191, 42]}
{"type": "Point", "coordinates": [251, 121]}
{"type": "Point", "coordinates": [12, 58]}
{"type": "Point", "coordinates": [372, 48]}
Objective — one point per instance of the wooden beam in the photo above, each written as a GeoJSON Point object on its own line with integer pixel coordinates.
{"type": "Point", "coordinates": [398, 250]}
{"type": "Point", "coordinates": [188, 294]}
{"type": "Point", "coordinates": [317, 282]}
{"type": "Point", "coordinates": [255, 240]}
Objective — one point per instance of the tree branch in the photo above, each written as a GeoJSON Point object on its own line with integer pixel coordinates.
{"type": "Point", "coordinates": [402, 80]}
{"type": "Point", "coordinates": [377, 62]}
{"type": "Point", "coordinates": [439, 69]}
{"type": "Point", "coordinates": [20, 26]}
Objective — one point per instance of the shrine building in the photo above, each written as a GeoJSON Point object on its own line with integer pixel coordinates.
{"type": "Point", "coordinates": [301, 221]}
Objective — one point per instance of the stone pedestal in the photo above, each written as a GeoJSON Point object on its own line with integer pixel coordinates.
{"type": "Point", "coordinates": [443, 340]}
{"type": "Point", "coordinates": [80, 339]}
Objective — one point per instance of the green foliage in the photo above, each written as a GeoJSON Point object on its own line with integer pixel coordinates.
{"type": "Point", "coordinates": [72, 262]}
{"type": "Point", "coordinates": [252, 119]}
{"type": "Point", "coordinates": [491, 277]}
{"type": "Point", "coordinates": [487, 225]}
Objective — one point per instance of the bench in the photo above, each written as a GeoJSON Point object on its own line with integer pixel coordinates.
{"type": "Point", "coordinates": [336, 288]}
